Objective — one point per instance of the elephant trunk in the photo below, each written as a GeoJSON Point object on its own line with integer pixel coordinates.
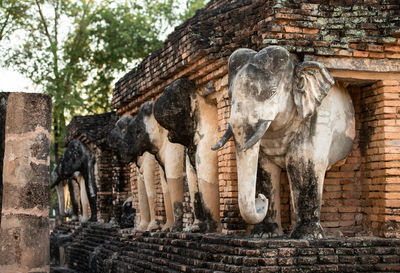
{"type": "Point", "coordinates": [253, 210]}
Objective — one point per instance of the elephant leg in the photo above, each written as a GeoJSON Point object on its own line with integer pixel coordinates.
{"type": "Point", "coordinates": [91, 188]}
{"type": "Point", "coordinates": [174, 174]}
{"type": "Point", "coordinates": [306, 178]}
{"type": "Point", "coordinates": [193, 191]}
{"type": "Point", "coordinates": [150, 192]}
{"type": "Point", "coordinates": [143, 203]}
{"type": "Point", "coordinates": [74, 204]}
{"type": "Point", "coordinates": [60, 197]}
{"type": "Point", "coordinates": [268, 183]}
{"type": "Point", "coordinates": [169, 214]}
{"type": "Point", "coordinates": [207, 177]}
{"type": "Point", "coordinates": [92, 203]}
{"type": "Point", "coordinates": [84, 200]}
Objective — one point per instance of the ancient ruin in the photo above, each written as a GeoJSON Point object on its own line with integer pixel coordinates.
{"type": "Point", "coordinates": [304, 98]}
{"type": "Point", "coordinates": [311, 95]}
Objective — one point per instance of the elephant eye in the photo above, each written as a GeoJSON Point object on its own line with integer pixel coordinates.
{"type": "Point", "coordinates": [300, 84]}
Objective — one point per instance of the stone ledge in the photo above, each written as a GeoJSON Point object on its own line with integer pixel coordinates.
{"type": "Point", "coordinates": [101, 248]}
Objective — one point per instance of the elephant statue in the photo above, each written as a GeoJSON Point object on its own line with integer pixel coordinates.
{"type": "Point", "coordinates": [191, 120]}
{"type": "Point", "coordinates": [78, 157]}
{"type": "Point", "coordinates": [285, 115]}
{"type": "Point", "coordinates": [59, 185]}
{"type": "Point", "coordinates": [133, 136]}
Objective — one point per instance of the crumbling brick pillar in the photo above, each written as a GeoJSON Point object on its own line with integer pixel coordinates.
{"type": "Point", "coordinates": [380, 147]}
{"type": "Point", "coordinates": [24, 234]}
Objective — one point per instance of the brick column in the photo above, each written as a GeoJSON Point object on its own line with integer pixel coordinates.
{"type": "Point", "coordinates": [24, 237]}
{"type": "Point", "coordinates": [104, 183]}
{"type": "Point", "coordinates": [380, 145]}
{"type": "Point", "coordinates": [231, 220]}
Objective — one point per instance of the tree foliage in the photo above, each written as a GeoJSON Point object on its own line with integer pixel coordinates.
{"type": "Point", "coordinates": [74, 49]}
{"type": "Point", "coordinates": [12, 16]}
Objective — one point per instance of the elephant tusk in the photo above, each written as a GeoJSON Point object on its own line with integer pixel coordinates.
{"type": "Point", "coordinates": [224, 139]}
{"type": "Point", "coordinates": [257, 135]}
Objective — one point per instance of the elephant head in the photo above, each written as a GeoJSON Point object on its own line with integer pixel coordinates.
{"type": "Point", "coordinates": [129, 135]}
{"type": "Point", "coordinates": [73, 158]}
{"type": "Point", "coordinates": [173, 111]}
{"type": "Point", "coordinates": [267, 89]}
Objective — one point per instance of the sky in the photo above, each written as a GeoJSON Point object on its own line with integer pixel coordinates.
{"type": "Point", "coordinates": [12, 81]}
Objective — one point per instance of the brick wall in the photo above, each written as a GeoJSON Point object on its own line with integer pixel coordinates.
{"type": "Point", "coordinates": [381, 157]}
{"type": "Point", "coordinates": [366, 31]}
{"type": "Point", "coordinates": [101, 249]}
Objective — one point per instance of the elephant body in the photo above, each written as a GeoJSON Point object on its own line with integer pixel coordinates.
{"type": "Point", "coordinates": [285, 115]}
{"type": "Point", "coordinates": [135, 136]}
{"type": "Point", "coordinates": [78, 158]}
{"type": "Point", "coordinates": [191, 120]}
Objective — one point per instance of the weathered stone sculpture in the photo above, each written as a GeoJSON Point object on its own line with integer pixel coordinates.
{"type": "Point", "coordinates": [78, 157]}
{"type": "Point", "coordinates": [134, 136]}
{"type": "Point", "coordinates": [59, 186]}
{"type": "Point", "coordinates": [191, 120]}
{"type": "Point", "coordinates": [285, 115]}
{"type": "Point", "coordinates": [146, 192]}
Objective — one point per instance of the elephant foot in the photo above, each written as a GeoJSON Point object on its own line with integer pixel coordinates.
{"type": "Point", "coordinates": [193, 227]}
{"type": "Point", "coordinates": [308, 231]}
{"type": "Point", "coordinates": [266, 230]}
{"type": "Point", "coordinates": [153, 226]}
{"type": "Point", "coordinates": [74, 218]}
{"type": "Point", "coordinates": [83, 219]}
{"type": "Point", "coordinates": [166, 227]}
{"type": "Point", "coordinates": [143, 226]}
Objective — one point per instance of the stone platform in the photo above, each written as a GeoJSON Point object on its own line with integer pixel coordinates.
{"type": "Point", "coordinates": [102, 248]}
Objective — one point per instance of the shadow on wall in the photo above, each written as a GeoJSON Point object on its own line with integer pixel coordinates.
{"type": "Point", "coordinates": [3, 106]}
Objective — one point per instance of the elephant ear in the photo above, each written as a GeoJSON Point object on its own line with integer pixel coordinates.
{"type": "Point", "coordinates": [312, 82]}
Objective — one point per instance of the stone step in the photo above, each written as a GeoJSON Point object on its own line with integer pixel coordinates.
{"type": "Point", "coordinates": [57, 269]}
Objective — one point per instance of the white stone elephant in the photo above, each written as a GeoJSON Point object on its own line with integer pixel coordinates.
{"type": "Point", "coordinates": [192, 120]}
{"type": "Point", "coordinates": [285, 115]}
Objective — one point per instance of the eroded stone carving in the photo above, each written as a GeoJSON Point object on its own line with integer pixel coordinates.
{"type": "Point", "coordinates": [191, 120]}
{"type": "Point", "coordinates": [285, 115]}
{"type": "Point", "coordinates": [78, 158]}
{"type": "Point", "coordinates": [61, 194]}
{"type": "Point", "coordinates": [133, 136]}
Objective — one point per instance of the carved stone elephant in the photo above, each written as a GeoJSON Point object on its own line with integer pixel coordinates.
{"type": "Point", "coordinates": [191, 120]}
{"type": "Point", "coordinates": [285, 115]}
{"type": "Point", "coordinates": [78, 158]}
{"type": "Point", "coordinates": [133, 136]}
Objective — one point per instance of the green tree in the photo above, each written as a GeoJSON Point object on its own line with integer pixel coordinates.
{"type": "Point", "coordinates": [74, 50]}
{"type": "Point", "coordinates": [191, 7]}
{"type": "Point", "coordinates": [12, 16]}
